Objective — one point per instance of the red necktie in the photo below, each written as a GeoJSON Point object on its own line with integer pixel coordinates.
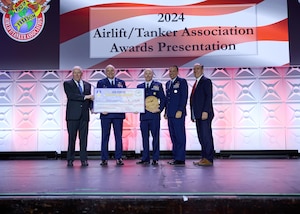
{"type": "Point", "coordinates": [193, 91]}
{"type": "Point", "coordinates": [194, 87]}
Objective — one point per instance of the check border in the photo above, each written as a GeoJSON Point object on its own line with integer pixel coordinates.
{"type": "Point", "coordinates": [119, 100]}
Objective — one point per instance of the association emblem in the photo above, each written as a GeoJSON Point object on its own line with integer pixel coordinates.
{"type": "Point", "coordinates": [23, 20]}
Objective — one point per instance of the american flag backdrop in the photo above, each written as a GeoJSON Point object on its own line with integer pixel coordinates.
{"type": "Point", "coordinates": [267, 46]}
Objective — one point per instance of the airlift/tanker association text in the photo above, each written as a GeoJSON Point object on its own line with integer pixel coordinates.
{"type": "Point", "coordinates": [141, 32]}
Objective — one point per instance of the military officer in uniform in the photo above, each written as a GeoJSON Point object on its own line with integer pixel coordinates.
{"type": "Point", "coordinates": [150, 120]}
{"type": "Point", "coordinates": [114, 119]}
{"type": "Point", "coordinates": [177, 95]}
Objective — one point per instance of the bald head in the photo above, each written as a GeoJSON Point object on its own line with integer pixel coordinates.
{"type": "Point", "coordinates": [148, 74]}
{"type": "Point", "coordinates": [110, 71]}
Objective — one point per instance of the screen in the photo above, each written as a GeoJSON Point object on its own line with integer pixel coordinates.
{"type": "Point", "coordinates": [142, 33]}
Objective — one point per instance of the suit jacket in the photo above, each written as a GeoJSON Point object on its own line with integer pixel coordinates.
{"type": "Point", "coordinates": [104, 83]}
{"type": "Point", "coordinates": [201, 101]}
{"type": "Point", "coordinates": [156, 90]}
{"type": "Point", "coordinates": [177, 95]}
{"type": "Point", "coordinates": [77, 107]}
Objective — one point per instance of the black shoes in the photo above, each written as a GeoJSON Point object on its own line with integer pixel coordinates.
{"type": "Point", "coordinates": [143, 162]}
{"type": "Point", "coordinates": [119, 162]}
{"type": "Point", "coordinates": [103, 163]}
{"type": "Point", "coordinates": [176, 163]}
{"type": "Point", "coordinates": [154, 163]}
{"type": "Point", "coordinates": [70, 163]}
{"type": "Point", "coordinates": [84, 163]}
{"type": "Point", "coordinates": [170, 162]}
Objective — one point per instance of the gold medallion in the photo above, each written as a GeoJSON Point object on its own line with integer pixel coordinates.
{"type": "Point", "coordinates": [152, 104]}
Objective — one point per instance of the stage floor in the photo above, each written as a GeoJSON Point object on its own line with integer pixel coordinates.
{"type": "Point", "coordinates": [228, 177]}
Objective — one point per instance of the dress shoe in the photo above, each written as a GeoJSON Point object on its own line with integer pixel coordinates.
{"type": "Point", "coordinates": [177, 163]}
{"type": "Point", "coordinates": [170, 162]}
{"type": "Point", "coordinates": [84, 163]}
{"type": "Point", "coordinates": [205, 162]}
{"type": "Point", "coordinates": [119, 162]}
{"type": "Point", "coordinates": [143, 162]}
{"type": "Point", "coordinates": [198, 162]}
{"type": "Point", "coordinates": [70, 163]}
{"type": "Point", "coordinates": [154, 163]}
{"type": "Point", "coordinates": [104, 163]}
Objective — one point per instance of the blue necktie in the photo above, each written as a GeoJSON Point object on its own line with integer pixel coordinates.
{"type": "Point", "coordinates": [80, 89]}
{"type": "Point", "coordinates": [171, 82]}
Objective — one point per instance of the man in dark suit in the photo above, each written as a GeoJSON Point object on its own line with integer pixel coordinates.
{"type": "Point", "coordinates": [77, 114]}
{"type": "Point", "coordinates": [202, 113]}
{"type": "Point", "coordinates": [108, 119]}
{"type": "Point", "coordinates": [150, 120]}
{"type": "Point", "coordinates": [177, 94]}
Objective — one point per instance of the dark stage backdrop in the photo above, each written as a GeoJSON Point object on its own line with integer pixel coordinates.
{"type": "Point", "coordinates": [294, 31]}
{"type": "Point", "coordinates": [137, 34]}
{"type": "Point", "coordinates": [30, 42]}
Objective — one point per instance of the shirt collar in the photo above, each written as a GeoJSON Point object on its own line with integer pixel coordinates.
{"type": "Point", "coordinates": [199, 78]}
{"type": "Point", "coordinates": [78, 82]}
{"type": "Point", "coordinates": [173, 80]}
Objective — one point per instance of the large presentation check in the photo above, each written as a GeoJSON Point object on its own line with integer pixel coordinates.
{"type": "Point", "coordinates": [119, 100]}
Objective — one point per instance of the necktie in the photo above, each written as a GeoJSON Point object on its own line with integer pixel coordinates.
{"type": "Point", "coordinates": [171, 82]}
{"type": "Point", "coordinates": [80, 88]}
{"type": "Point", "coordinates": [147, 85]}
{"type": "Point", "coordinates": [192, 94]}
{"type": "Point", "coordinates": [194, 87]}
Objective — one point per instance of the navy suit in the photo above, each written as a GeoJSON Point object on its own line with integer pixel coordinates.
{"type": "Point", "coordinates": [201, 101]}
{"type": "Point", "coordinates": [177, 95]}
{"type": "Point", "coordinates": [115, 119]}
{"type": "Point", "coordinates": [77, 117]}
{"type": "Point", "coordinates": [150, 122]}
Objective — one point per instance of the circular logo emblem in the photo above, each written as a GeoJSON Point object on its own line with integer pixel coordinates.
{"type": "Point", "coordinates": [24, 20]}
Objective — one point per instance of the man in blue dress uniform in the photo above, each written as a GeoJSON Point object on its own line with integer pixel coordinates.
{"type": "Point", "coordinates": [108, 119]}
{"type": "Point", "coordinates": [177, 95]}
{"type": "Point", "coordinates": [150, 120]}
